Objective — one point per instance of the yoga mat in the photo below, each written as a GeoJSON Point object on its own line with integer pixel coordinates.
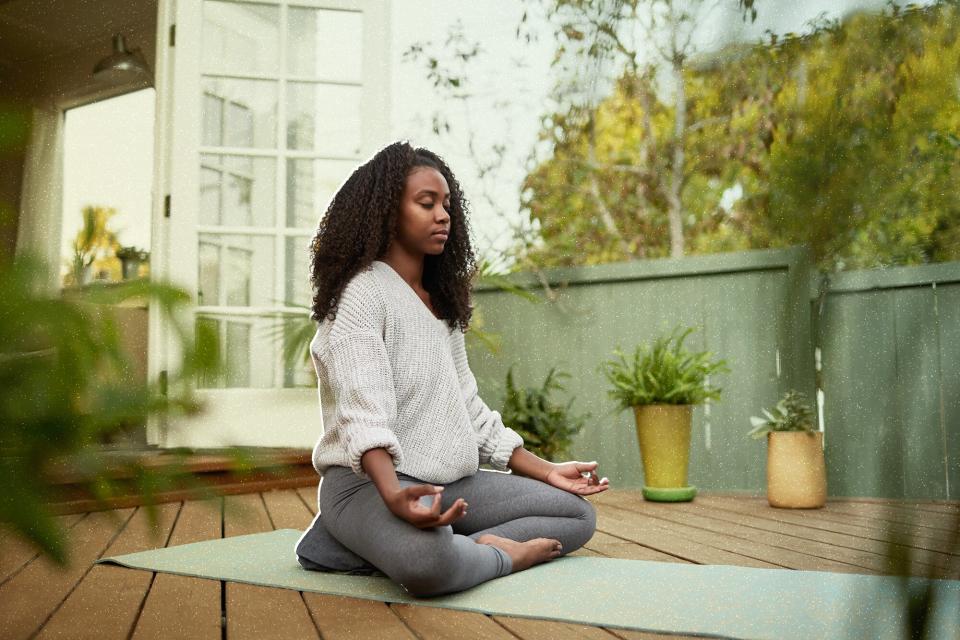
{"type": "Point", "coordinates": [717, 601]}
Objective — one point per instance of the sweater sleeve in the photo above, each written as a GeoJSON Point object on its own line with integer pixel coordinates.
{"type": "Point", "coordinates": [496, 441]}
{"type": "Point", "coordinates": [360, 376]}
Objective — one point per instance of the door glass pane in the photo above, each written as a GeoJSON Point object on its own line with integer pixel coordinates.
{"type": "Point", "coordinates": [207, 380]}
{"type": "Point", "coordinates": [240, 38]}
{"type": "Point", "coordinates": [239, 113]}
{"type": "Point", "coordinates": [297, 272]}
{"type": "Point", "coordinates": [243, 341]}
{"type": "Point", "coordinates": [311, 185]}
{"type": "Point", "coordinates": [324, 118]}
{"type": "Point", "coordinates": [299, 371]}
{"type": "Point", "coordinates": [227, 266]}
{"type": "Point", "coordinates": [237, 190]}
{"type": "Point", "coordinates": [237, 352]}
{"type": "Point", "coordinates": [325, 44]}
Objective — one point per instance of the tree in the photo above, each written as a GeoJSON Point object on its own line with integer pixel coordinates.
{"type": "Point", "coordinates": [843, 139]}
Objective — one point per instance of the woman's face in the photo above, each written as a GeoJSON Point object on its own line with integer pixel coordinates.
{"type": "Point", "coordinates": [424, 210]}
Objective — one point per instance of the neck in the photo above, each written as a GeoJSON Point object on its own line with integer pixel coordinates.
{"type": "Point", "coordinates": [409, 266]}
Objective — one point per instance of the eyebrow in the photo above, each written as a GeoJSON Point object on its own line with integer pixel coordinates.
{"type": "Point", "coordinates": [430, 192]}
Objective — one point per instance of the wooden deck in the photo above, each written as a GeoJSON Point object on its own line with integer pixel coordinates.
{"type": "Point", "coordinates": [103, 601]}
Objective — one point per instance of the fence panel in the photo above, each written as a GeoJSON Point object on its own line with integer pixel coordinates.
{"type": "Point", "coordinates": [751, 309]}
{"type": "Point", "coordinates": [890, 344]}
{"type": "Point", "coordinates": [890, 352]}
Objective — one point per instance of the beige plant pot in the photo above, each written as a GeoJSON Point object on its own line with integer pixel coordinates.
{"type": "Point", "coordinates": [796, 473]}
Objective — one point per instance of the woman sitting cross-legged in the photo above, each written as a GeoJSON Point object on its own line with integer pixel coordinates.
{"type": "Point", "coordinates": [405, 430]}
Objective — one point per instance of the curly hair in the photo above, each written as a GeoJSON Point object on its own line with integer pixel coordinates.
{"type": "Point", "coordinates": [361, 221]}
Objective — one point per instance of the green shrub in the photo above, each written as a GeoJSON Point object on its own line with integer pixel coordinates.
{"type": "Point", "coordinates": [547, 428]}
{"type": "Point", "coordinates": [664, 373]}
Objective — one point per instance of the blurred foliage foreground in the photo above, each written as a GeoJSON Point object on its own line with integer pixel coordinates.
{"type": "Point", "coordinates": [65, 389]}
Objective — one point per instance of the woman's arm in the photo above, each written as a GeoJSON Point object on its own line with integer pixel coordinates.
{"type": "Point", "coordinates": [527, 464]}
{"type": "Point", "coordinates": [564, 475]}
{"type": "Point", "coordinates": [378, 464]}
{"type": "Point", "coordinates": [405, 503]}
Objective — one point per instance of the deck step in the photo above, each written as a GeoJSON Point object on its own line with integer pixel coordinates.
{"type": "Point", "coordinates": [270, 469]}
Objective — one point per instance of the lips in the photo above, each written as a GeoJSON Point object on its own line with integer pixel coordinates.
{"type": "Point", "coordinates": [444, 234]}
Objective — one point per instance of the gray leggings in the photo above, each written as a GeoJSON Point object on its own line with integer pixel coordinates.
{"type": "Point", "coordinates": [438, 560]}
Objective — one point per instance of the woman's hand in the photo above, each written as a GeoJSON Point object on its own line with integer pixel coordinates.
{"type": "Point", "coordinates": [405, 504]}
{"type": "Point", "coordinates": [569, 477]}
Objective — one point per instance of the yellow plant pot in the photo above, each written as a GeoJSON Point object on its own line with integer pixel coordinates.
{"type": "Point", "coordinates": [663, 432]}
{"type": "Point", "coordinates": [796, 473]}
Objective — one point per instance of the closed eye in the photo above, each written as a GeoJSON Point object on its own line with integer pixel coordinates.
{"type": "Point", "coordinates": [429, 205]}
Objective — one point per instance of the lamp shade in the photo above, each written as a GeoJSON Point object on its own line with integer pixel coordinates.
{"type": "Point", "coordinates": [122, 64]}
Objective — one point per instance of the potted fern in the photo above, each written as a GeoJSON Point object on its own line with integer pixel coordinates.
{"type": "Point", "coordinates": [547, 428]}
{"type": "Point", "coordinates": [662, 383]}
{"type": "Point", "coordinates": [796, 472]}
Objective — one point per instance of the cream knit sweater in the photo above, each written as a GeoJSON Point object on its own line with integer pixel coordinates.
{"type": "Point", "coordinates": [391, 374]}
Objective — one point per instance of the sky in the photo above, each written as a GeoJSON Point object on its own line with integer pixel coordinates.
{"type": "Point", "coordinates": [109, 145]}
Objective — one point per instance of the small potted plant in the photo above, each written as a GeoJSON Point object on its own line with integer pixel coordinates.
{"type": "Point", "coordinates": [547, 428]}
{"type": "Point", "coordinates": [131, 258]}
{"type": "Point", "coordinates": [662, 383]}
{"type": "Point", "coordinates": [796, 473]}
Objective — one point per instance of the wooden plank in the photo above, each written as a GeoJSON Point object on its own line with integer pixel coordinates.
{"type": "Point", "coordinates": [787, 543]}
{"type": "Point", "coordinates": [434, 623]}
{"type": "Point", "coordinates": [778, 549]}
{"type": "Point", "coordinates": [16, 552]}
{"type": "Point", "coordinates": [340, 618]}
{"type": "Point", "coordinates": [644, 635]}
{"type": "Point", "coordinates": [749, 345]}
{"type": "Point", "coordinates": [847, 523]}
{"type": "Point", "coordinates": [948, 323]}
{"type": "Point", "coordinates": [923, 458]}
{"type": "Point", "coordinates": [647, 635]}
{"type": "Point", "coordinates": [309, 496]}
{"type": "Point", "coordinates": [34, 593]}
{"type": "Point", "coordinates": [950, 508]}
{"type": "Point", "coordinates": [533, 629]}
{"type": "Point", "coordinates": [183, 607]}
{"type": "Point", "coordinates": [287, 510]}
{"type": "Point", "coordinates": [860, 415]}
{"type": "Point", "coordinates": [610, 546]}
{"type": "Point", "coordinates": [648, 533]}
{"type": "Point", "coordinates": [254, 611]}
{"type": "Point", "coordinates": [586, 552]}
{"type": "Point", "coordinates": [763, 519]}
{"type": "Point", "coordinates": [107, 601]}
{"type": "Point", "coordinates": [941, 521]}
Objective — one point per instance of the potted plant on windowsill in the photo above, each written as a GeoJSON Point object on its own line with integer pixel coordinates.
{"type": "Point", "coordinates": [796, 473]}
{"type": "Point", "coordinates": [131, 258]}
{"type": "Point", "coordinates": [662, 383]}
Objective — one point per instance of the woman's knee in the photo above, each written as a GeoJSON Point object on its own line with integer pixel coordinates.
{"type": "Point", "coordinates": [429, 567]}
{"type": "Point", "coordinates": [586, 523]}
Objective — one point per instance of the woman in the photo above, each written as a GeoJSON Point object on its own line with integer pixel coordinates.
{"type": "Point", "coordinates": [404, 428]}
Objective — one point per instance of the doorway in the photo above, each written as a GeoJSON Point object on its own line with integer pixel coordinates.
{"type": "Point", "coordinates": [107, 189]}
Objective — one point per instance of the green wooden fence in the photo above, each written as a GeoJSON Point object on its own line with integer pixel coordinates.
{"type": "Point", "coordinates": [754, 310]}
{"type": "Point", "coordinates": [890, 344]}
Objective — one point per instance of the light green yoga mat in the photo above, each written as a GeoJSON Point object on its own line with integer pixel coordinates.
{"type": "Point", "coordinates": [709, 600]}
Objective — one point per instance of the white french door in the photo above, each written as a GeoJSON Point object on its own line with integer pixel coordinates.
{"type": "Point", "coordinates": [272, 103]}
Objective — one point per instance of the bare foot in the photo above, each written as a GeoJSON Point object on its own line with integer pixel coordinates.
{"type": "Point", "coordinates": [524, 554]}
